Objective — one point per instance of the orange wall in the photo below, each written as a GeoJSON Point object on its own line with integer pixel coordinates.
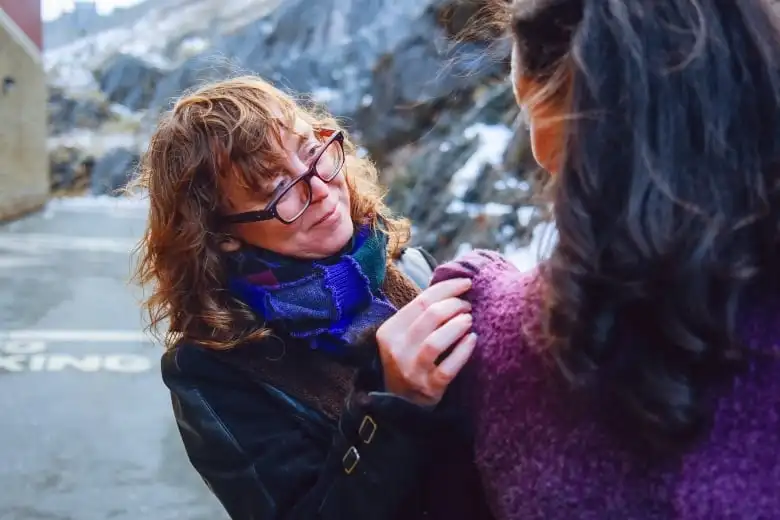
{"type": "Point", "coordinates": [27, 15]}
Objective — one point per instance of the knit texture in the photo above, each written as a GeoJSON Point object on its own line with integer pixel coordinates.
{"type": "Point", "coordinates": [542, 453]}
{"type": "Point", "coordinates": [329, 303]}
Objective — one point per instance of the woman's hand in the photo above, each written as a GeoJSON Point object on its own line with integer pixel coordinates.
{"type": "Point", "coordinates": [412, 341]}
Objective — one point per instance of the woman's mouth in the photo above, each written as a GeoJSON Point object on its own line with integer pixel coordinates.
{"type": "Point", "coordinates": [326, 217]}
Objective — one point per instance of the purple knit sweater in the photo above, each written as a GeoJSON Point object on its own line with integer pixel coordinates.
{"type": "Point", "coordinates": [541, 455]}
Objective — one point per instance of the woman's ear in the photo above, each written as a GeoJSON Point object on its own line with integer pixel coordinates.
{"type": "Point", "coordinates": [229, 244]}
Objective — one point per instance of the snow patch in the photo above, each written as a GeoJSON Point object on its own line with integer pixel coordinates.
{"type": "Point", "coordinates": [493, 140]}
{"type": "Point", "coordinates": [512, 184]}
{"type": "Point", "coordinates": [525, 214]}
{"type": "Point", "coordinates": [192, 46]}
{"type": "Point", "coordinates": [491, 209]}
{"type": "Point", "coordinates": [463, 249]}
{"type": "Point", "coordinates": [147, 38]}
{"type": "Point", "coordinates": [542, 241]}
{"type": "Point", "coordinates": [94, 143]}
{"type": "Point", "coordinates": [324, 95]}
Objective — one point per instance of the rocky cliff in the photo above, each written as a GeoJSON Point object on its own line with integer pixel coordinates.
{"type": "Point", "coordinates": [435, 112]}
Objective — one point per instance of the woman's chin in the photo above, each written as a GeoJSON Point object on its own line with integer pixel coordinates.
{"type": "Point", "coordinates": [332, 239]}
{"type": "Point", "coordinates": [342, 234]}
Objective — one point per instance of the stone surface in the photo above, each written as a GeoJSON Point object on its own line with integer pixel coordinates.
{"type": "Point", "coordinates": [460, 186]}
{"type": "Point", "coordinates": [388, 67]}
{"type": "Point", "coordinates": [88, 111]}
{"type": "Point", "coordinates": [429, 103]}
{"type": "Point", "coordinates": [112, 171]}
{"type": "Point", "coordinates": [69, 169]}
{"type": "Point", "coordinates": [129, 81]}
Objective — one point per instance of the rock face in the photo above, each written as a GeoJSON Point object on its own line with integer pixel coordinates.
{"type": "Point", "coordinates": [66, 113]}
{"type": "Point", "coordinates": [111, 172]}
{"type": "Point", "coordinates": [85, 130]}
{"type": "Point", "coordinates": [69, 170]}
{"type": "Point", "coordinates": [85, 20]}
{"type": "Point", "coordinates": [466, 183]}
{"type": "Point", "coordinates": [386, 65]}
{"type": "Point", "coordinates": [129, 81]}
{"type": "Point", "coordinates": [434, 112]}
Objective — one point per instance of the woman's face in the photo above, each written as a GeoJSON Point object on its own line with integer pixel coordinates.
{"type": "Point", "coordinates": [325, 226]}
{"type": "Point", "coordinates": [545, 123]}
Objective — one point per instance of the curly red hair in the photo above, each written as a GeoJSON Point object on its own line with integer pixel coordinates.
{"type": "Point", "coordinates": [223, 132]}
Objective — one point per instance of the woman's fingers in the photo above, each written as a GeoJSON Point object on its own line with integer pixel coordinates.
{"type": "Point", "coordinates": [434, 317]}
{"type": "Point", "coordinates": [433, 294]}
{"type": "Point", "coordinates": [443, 374]}
{"type": "Point", "coordinates": [412, 340]}
{"type": "Point", "coordinates": [441, 339]}
{"type": "Point", "coordinates": [402, 335]}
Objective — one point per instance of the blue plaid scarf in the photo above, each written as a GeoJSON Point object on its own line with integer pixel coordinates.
{"type": "Point", "coordinates": [329, 302]}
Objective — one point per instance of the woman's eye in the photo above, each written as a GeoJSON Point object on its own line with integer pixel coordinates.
{"type": "Point", "coordinates": [278, 186]}
{"type": "Point", "coordinates": [313, 149]}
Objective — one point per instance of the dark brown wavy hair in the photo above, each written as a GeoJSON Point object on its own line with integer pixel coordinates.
{"type": "Point", "coordinates": [667, 204]}
{"type": "Point", "coordinates": [228, 131]}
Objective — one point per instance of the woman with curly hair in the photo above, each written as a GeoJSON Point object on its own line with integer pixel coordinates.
{"type": "Point", "coordinates": [306, 364]}
{"type": "Point", "coordinates": [635, 373]}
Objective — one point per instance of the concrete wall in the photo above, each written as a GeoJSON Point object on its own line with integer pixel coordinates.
{"type": "Point", "coordinates": [24, 165]}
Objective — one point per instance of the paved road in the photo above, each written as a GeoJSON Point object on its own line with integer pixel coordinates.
{"type": "Point", "coordinates": [87, 431]}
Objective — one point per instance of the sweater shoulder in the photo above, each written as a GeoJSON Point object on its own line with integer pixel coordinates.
{"type": "Point", "coordinates": [506, 303]}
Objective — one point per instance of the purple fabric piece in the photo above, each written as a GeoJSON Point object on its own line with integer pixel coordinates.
{"type": "Point", "coordinates": [542, 454]}
{"type": "Point", "coordinates": [265, 278]}
{"type": "Point", "coordinates": [351, 292]}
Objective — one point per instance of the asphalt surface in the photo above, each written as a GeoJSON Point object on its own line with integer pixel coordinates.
{"type": "Point", "coordinates": [87, 430]}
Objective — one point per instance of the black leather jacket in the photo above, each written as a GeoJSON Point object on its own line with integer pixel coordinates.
{"type": "Point", "coordinates": [267, 455]}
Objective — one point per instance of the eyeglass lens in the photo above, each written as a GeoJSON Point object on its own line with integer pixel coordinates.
{"type": "Point", "coordinates": [295, 201]}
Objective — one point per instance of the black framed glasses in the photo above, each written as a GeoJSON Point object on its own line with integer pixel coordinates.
{"type": "Point", "coordinates": [289, 204]}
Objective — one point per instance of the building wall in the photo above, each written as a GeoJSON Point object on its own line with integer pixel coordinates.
{"type": "Point", "coordinates": [24, 165]}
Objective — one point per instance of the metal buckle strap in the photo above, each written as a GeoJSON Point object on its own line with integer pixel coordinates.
{"type": "Point", "coordinates": [367, 429]}
{"type": "Point", "coordinates": [350, 460]}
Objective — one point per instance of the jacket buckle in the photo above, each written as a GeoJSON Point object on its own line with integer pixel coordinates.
{"type": "Point", "coordinates": [350, 460]}
{"type": "Point", "coordinates": [367, 429]}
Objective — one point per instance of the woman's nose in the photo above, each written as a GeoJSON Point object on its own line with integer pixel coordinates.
{"type": "Point", "coordinates": [319, 190]}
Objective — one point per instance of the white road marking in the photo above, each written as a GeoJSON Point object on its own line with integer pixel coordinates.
{"type": "Point", "coordinates": [89, 336]}
{"type": "Point", "coordinates": [40, 242]}
{"type": "Point", "coordinates": [16, 262]}
{"type": "Point", "coordinates": [127, 363]}
{"type": "Point", "coordinates": [25, 351]}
